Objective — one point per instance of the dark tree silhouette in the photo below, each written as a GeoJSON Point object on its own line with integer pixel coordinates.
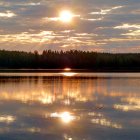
{"type": "Point", "coordinates": [73, 59]}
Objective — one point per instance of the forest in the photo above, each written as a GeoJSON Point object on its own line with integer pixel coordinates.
{"type": "Point", "coordinates": [75, 59]}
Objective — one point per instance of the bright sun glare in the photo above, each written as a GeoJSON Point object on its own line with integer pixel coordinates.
{"type": "Point", "coordinates": [66, 16]}
{"type": "Point", "coordinates": [69, 74]}
{"type": "Point", "coordinates": [66, 117]}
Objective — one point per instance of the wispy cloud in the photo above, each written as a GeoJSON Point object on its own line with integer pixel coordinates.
{"type": "Point", "coordinates": [133, 33]}
{"type": "Point", "coordinates": [92, 19]}
{"type": "Point", "coordinates": [128, 26]}
{"type": "Point", "coordinates": [105, 11]}
{"type": "Point", "coordinates": [26, 37]}
{"type": "Point", "coordinates": [7, 14]}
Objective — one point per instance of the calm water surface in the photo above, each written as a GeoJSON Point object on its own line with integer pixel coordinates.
{"type": "Point", "coordinates": [69, 106]}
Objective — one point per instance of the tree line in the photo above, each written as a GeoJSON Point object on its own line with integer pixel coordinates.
{"type": "Point", "coordinates": [75, 59]}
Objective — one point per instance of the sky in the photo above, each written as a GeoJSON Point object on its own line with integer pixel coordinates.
{"type": "Point", "coordinates": [97, 25]}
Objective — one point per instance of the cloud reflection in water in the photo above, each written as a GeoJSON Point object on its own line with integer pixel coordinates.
{"type": "Point", "coordinates": [68, 107]}
{"type": "Point", "coordinates": [7, 119]}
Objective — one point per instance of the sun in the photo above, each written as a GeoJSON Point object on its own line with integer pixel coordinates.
{"type": "Point", "coordinates": [65, 16]}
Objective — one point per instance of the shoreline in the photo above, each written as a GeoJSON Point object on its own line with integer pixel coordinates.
{"type": "Point", "coordinates": [63, 70]}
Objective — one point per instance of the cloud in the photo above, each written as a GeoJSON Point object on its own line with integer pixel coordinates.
{"type": "Point", "coordinates": [133, 33]}
{"type": "Point", "coordinates": [92, 19]}
{"type": "Point", "coordinates": [128, 26]}
{"type": "Point", "coordinates": [26, 37]}
{"type": "Point", "coordinates": [105, 11]}
{"type": "Point", "coordinates": [7, 14]}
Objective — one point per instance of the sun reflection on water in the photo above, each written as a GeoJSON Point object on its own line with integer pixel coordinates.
{"type": "Point", "coordinates": [66, 117]}
{"type": "Point", "coordinates": [69, 74]}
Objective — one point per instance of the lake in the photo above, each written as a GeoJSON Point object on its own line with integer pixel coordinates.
{"type": "Point", "coordinates": [69, 106]}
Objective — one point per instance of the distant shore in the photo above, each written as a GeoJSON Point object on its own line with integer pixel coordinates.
{"type": "Point", "coordinates": [74, 60]}
{"type": "Point", "coordinates": [62, 70]}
